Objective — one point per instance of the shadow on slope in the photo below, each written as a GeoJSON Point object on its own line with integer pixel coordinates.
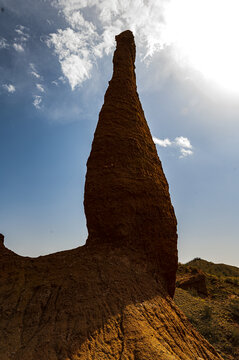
{"type": "Point", "coordinates": [90, 303]}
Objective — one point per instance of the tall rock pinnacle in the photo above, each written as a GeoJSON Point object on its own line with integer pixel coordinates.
{"type": "Point", "coordinates": [127, 201]}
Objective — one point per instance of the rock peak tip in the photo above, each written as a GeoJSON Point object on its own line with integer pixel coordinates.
{"type": "Point", "coordinates": [1, 239]}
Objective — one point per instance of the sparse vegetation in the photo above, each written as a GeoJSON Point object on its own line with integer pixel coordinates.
{"type": "Point", "coordinates": [207, 313]}
{"type": "Point", "coordinates": [216, 317]}
{"type": "Point", "coordinates": [235, 337]}
{"type": "Point", "coordinates": [234, 309]}
{"type": "Point", "coordinates": [215, 269]}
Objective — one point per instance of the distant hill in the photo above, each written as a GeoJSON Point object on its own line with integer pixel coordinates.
{"type": "Point", "coordinates": [214, 269]}
{"type": "Point", "coordinates": [208, 294]}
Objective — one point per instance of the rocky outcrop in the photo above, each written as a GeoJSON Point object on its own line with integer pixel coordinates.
{"type": "Point", "coordinates": [127, 201]}
{"type": "Point", "coordinates": [107, 300]}
{"type": "Point", "coordinates": [192, 279]}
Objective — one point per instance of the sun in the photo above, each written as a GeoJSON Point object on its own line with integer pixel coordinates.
{"type": "Point", "coordinates": [205, 33]}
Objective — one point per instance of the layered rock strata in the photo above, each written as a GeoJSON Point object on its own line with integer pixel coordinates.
{"type": "Point", "coordinates": [127, 201]}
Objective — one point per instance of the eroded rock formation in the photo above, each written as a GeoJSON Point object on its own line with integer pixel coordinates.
{"type": "Point", "coordinates": [107, 300]}
{"type": "Point", "coordinates": [127, 201]}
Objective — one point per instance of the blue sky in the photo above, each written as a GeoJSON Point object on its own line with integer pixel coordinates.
{"type": "Point", "coordinates": [55, 64]}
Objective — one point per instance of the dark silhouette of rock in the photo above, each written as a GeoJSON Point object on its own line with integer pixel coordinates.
{"type": "Point", "coordinates": [127, 202]}
{"type": "Point", "coordinates": [1, 239]}
{"type": "Point", "coordinates": [101, 301]}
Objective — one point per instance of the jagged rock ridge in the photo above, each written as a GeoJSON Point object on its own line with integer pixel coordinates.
{"type": "Point", "coordinates": [127, 201]}
{"type": "Point", "coordinates": [109, 299]}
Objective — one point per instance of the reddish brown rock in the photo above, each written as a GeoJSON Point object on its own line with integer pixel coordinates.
{"type": "Point", "coordinates": [127, 201]}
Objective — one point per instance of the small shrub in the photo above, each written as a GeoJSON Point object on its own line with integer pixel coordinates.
{"type": "Point", "coordinates": [193, 292]}
{"type": "Point", "coordinates": [209, 332]}
{"type": "Point", "coordinates": [192, 320]}
{"type": "Point", "coordinates": [207, 312]}
{"type": "Point", "coordinates": [231, 280]}
{"type": "Point", "coordinates": [235, 281]}
{"type": "Point", "coordinates": [234, 309]}
{"type": "Point", "coordinates": [235, 337]}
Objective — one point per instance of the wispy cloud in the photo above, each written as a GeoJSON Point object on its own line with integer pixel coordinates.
{"type": "Point", "coordinates": [37, 101]}
{"type": "Point", "coordinates": [185, 152]}
{"type": "Point", "coordinates": [74, 56]}
{"type": "Point", "coordinates": [18, 47]}
{"type": "Point", "coordinates": [55, 82]}
{"type": "Point", "coordinates": [60, 79]}
{"type": "Point", "coordinates": [9, 88]}
{"type": "Point", "coordinates": [3, 43]}
{"type": "Point", "coordinates": [22, 32]}
{"type": "Point", "coordinates": [40, 87]}
{"type": "Point", "coordinates": [21, 39]}
{"type": "Point", "coordinates": [84, 40]}
{"type": "Point", "coordinates": [182, 143]}
{"type": "Point", "coordinates": [35, 74]}
{"type": "Point", "coordinates": [33, 71]}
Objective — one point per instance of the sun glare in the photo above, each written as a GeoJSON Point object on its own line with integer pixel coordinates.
{"type": "Point", "coordinates": [205, 35]}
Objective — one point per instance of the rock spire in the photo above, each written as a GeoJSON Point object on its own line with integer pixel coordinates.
{"type": "Point", "coordinates": [127, 201]}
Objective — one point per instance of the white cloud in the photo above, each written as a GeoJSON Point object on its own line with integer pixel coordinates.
{"type": "Point", "coordinates": [164, 143]}
{"type": "Point", "coordinates": [93, 37]}
{"type": "Point", "coordinates": [35, 74]}
{"type": "Point", "coordinates": [18, 47]}
{"type": "Point", "coordinates": [180, 142]}
{"type": "Point", "coordinates": [21, 39]}
{"type": "Point", "coordinates": [3, 43]}
{"type": "Point", "coordinates": [183, 142]}
{"type": "Point", "coordinates": [40, 87]}
{"type": "Point", "coordinates": [37, 101]}
{"type": "Point", "coordinates": [74, 56]}
{"type": "Point", "coordinates": [22, 32]}
{"type": "Point", "coordinates": [19, 31]}
{"type": "Point", "coordinates": [76, 69]}
{"type": "Point", "coordinates": [21, 27]}
{"type": "Point", "coordinates": [33, 71]}
{"type": "Point", "coordinates": [61, 78]}
{"type": "Point", "coordinates": [185, 152]}
{"type": "Point", "coordinates": [9, 87]}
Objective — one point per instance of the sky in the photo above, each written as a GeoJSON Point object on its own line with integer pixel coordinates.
{"type": "Point", "coordinates": [55, 64]}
